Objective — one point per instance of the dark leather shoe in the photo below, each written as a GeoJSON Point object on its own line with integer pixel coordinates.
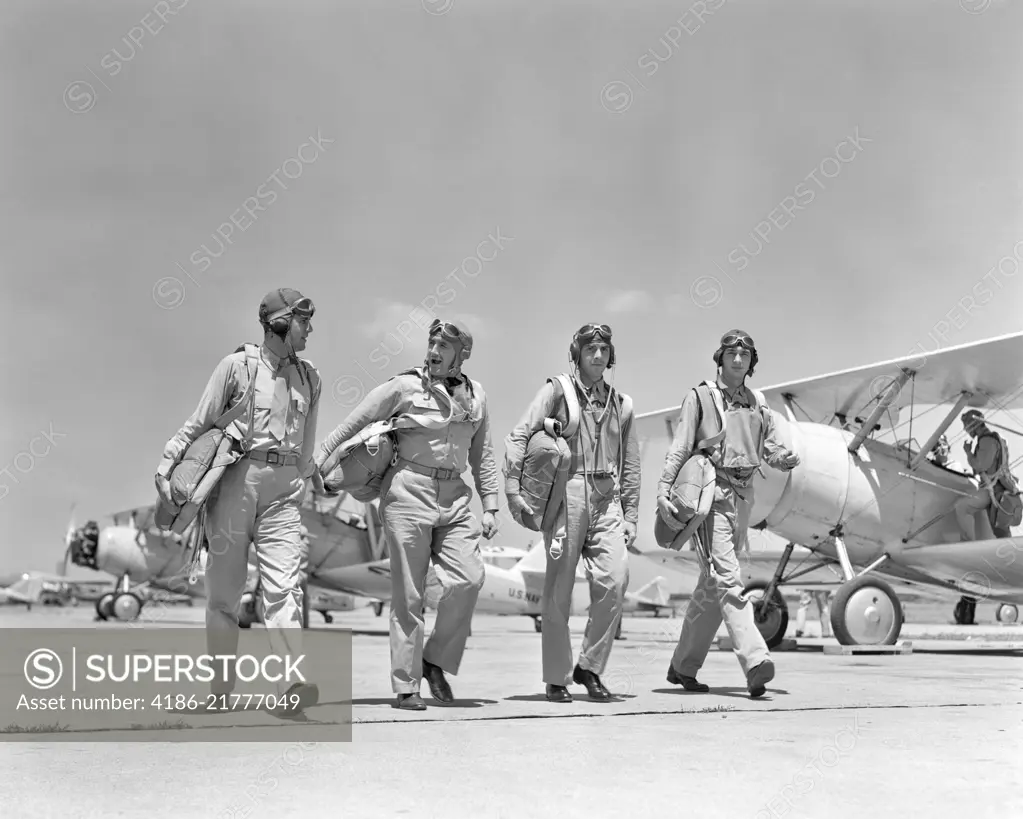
{"type": "Point", "coordinates": [411, 702]}
{"type": "Point", "coordinates": [688, 683]}
{"type": "Point", "coordinates": [438, 685]}
{"type": "Point", "coordinates": [759, 677]}
{"type": "Point", "coordinates": [558, 693]}
{"type": "Point", "coordinates": [594, 687]}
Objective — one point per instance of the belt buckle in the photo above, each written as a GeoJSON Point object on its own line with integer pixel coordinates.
{"type": "Point", "coordinates": [273, 458]}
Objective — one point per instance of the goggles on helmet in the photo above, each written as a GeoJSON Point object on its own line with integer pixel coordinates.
{"type": "Point", "coordinates": [303, 308]}
{"type": "Point", "coordinates": [737, 339]}
{"type": "Point", "coordinates": [590, 330]}
{"type": "Point", "coordinates": [446, 328]}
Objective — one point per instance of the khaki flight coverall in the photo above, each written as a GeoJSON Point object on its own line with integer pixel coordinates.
{"type": "Point", "coordinates": [985, 460]}
{"type": "Point", "coordinates": [719, 589]}
{"type": "Point", "coordinates": [601, 495]}
{"type": "Point", "coordinates": [426, 515]}
{"type": "Point", "coordinates": [258, 499]}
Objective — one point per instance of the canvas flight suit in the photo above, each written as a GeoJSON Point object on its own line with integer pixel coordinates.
{"type": "Point", "coordinates": [256, 500]}
{"type": "Point", "coordinates": [426, 515]}
{"type": "Point", "coordinates": [719, 589]}
{"type": "Point", "coordinates": [985, 462]}
{"type": "Point", "coordinates": [594, 529]}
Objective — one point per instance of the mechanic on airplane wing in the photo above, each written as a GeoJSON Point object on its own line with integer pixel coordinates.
{"type": "Point", "coordinates": [988, 458]}
{"type": "Point", "coordinates": [424, 506]}
{"type": "Point", "coordinates": [749, 430]}
{"type": "Point", "coordinates": [257, 499]}
{"type": "Point", "coordinates": [598, 526]}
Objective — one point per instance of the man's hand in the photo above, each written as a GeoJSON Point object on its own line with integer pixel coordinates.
{"type": "Point", "coordinates": [666, 508]}
{"type": "Point", "coordinates": [489, 524]}
{"type": "Point", "coordinates": [630, 537]}
{"type": "Point", "coordinates": [317, 480]}
{"type": "Point", "coordinates": [790, 461]}
{"type": "Point", "coordinates": [518, 507]}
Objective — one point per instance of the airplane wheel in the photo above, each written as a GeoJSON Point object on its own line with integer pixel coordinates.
{"type": "Point", "coordinates": [866, 612]}
{"type": "Point", "coordinates": [537, 625]}
{"type": "Point", "coordinates": [327, 617]}
{"type": "Point", "coordinates": [127, 606]}
{"type": "Point", "coordinates": [771, 617]}
{"type": "Point", "coordinates": [1007, 613]}
{"type": "Point", "coordinates": [378, 608]}
{"type": "Point", "coordinates": [105, 606]}
{"type": "Point", "coordinates": [247, 615]}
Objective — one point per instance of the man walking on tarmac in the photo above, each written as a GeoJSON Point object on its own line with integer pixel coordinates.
{"type": "Point", "coordinates": [424, 506]}
{"type": "Point", "coordinates": [748, 431]}
{"type": "Point", "coordinates": [257, 499]}
{"type": "Point", "coordinates": [601, 509]}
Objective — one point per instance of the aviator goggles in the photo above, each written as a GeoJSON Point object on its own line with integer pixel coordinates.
{"type": "Point", "coordinates": [303, 308]}
{"type": "Point", "coordinates": [447, 328]}
{"type": "Point", "coordinates": [737, 339]}
{"type": "Point", "coordinates": [589, 330]}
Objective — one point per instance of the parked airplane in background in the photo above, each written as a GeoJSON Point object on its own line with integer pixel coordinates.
{"type": "Point", "coordinates": [142, 557]}
{"type": "Point", "coordinates": [865, 506]}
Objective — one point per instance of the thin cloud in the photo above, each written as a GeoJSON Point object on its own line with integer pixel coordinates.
{"type": "Point", "coordinates": [629, 301]}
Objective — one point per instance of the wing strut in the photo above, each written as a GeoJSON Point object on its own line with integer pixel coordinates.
{"type": "Point", "coordinates": [964, 398]}
{"type": "Point", "coordinates": [889, 397]}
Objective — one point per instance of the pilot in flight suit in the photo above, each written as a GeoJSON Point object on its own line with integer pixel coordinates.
{"type": "Point", "coordinates": [257, 499]}
{"type": "Point", "coordinates": [425, 507]}
{"type": "Point", "coordinates": [602, 509]}
{"type": "Point", "coordinates": [719, 590]}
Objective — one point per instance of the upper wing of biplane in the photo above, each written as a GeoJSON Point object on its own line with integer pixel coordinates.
{"type": "Point", "coordinates": [144, 517]}
{"type": "Point", "coordinates": [990, 371]}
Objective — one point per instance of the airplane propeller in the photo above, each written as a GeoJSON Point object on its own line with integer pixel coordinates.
{"type": "Point", "coordinates": [69, 537]}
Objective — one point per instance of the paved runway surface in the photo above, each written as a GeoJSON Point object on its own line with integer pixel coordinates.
{"type": "Point", "coordinates": [937, 732]}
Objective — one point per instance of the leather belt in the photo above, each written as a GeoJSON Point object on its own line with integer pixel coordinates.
{"type": "Point", "coordinates": [601, 473]}
{"type": "Point", "coordinates": [273, 457]}
{"type": "Point", "coordinates": [429, 471]}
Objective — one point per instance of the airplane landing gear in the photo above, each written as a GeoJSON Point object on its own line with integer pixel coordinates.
{"type": "Point", "coordinates": [1007, 613]}
{"type": "Point", "coordinates": [537, 625]}
{"type": "Point", "coordinates": [105, 606]}
{"type": "Point", "coordinates": [328, 618]}
{"type": "Point", "coordinates": [771, 616]}
{"type": "Point", "coordinates": [126, 606]}
{"type": "Point", "coordinates": [866, 612]}
{"type": "Point", "coordinates": [378, 608]}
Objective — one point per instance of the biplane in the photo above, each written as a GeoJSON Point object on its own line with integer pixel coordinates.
{"type": "Point", "coordinates": [873, 508]}
{"type": "Point", "coordinates": [142, 557]}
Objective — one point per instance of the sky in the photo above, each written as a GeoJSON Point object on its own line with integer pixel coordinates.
{"type": "Point", "coordinates": [833, 178]}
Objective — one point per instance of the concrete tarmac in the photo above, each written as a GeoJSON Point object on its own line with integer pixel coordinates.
{"type": "Point", "coordinates": [836, 736]}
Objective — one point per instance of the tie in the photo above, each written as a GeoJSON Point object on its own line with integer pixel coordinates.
{"type": "Point", "coordinates": [279, 408]}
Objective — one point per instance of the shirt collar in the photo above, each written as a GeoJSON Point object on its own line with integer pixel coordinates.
{"type": "Point", "coordinates": [739, 394]}
{"type": "Point", "coordinates": [272, 360]}
{"type": "Point", "coordinates": [598, 391]}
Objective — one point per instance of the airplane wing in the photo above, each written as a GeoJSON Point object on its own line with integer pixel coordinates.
{"type": "Point", "coordinates": [981, 568]}
{"type": "Point", "coordinates": [145, 517]}
{"type": "Point", "coordinates": [992, 370]}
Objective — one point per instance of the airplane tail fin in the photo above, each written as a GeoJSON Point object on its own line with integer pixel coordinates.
{"type": "Point", "coordinates": [535, 561]}
{"type": "Point", "coordinates": [655, 592]}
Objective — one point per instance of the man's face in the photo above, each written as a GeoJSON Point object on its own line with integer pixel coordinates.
{"type": "Point", "coordinates": [972, 426]}
{"type": "Point", "coordinates": [301, 329]}
{"type": "Point", "coordinates": [735, 361]}
{"type": "Point", "coordinates": [440, 356]}
{"type": "Point", "coordinates": [593, 358]}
